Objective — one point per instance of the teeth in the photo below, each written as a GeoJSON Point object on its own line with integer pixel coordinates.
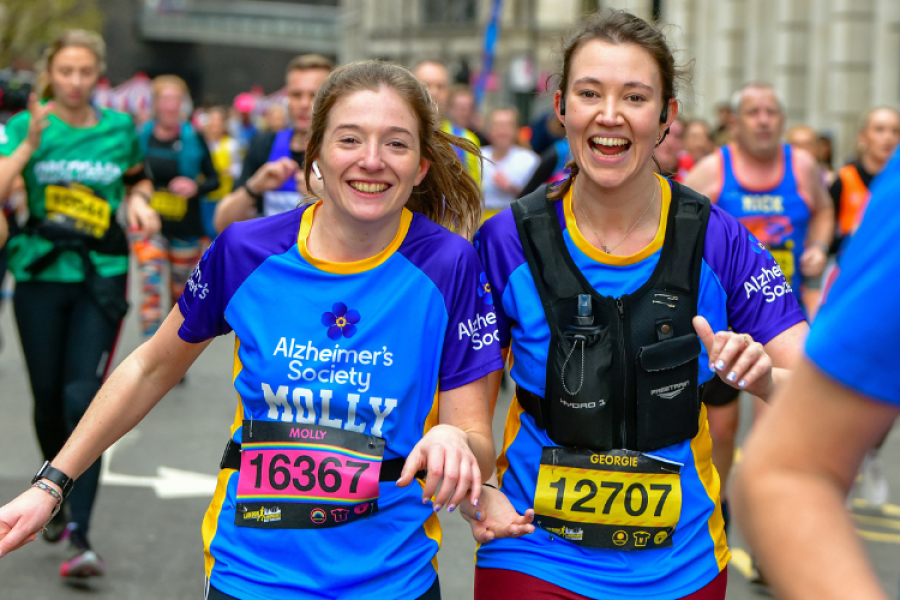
{"type": "Point", "coordinates": [603, 141]}
{"type": "Point", "coordinates": [598, 153]}
{"type": "Point", "coordinates": [368, 188]}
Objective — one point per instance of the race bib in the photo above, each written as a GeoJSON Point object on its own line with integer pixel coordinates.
{"type": "Point", "coordinates": [170, 207]}
{"type": "Point", "coordinates": [78, 209]}
{"type": "Point", "coordinates": [617, 500]}
{"type": "Point", "coordinates": [784, 256]}
{"type": "Point", "coordinates": [306, 477]}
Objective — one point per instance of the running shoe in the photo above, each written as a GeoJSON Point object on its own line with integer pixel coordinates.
{"type": "Point", "coordinates": [874, 485]}
{"type": "Point", "coordinates": [56, 530]}
{"type": "Point", "coordinates": [83, 562]}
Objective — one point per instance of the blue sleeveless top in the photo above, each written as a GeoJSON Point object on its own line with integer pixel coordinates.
{"type": "Point", "coordinates": [777, 217]}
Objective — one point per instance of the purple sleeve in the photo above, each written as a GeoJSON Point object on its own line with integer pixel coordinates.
{"type": "Point", "coordinates": [231, 258]}
{"type": "Point", "coordinates": [470, 349]}
{"type": "Point", "coordinates": [203, 301]}
{"type": "Point", "coordinates": [759, 299]}
{"type": "Point", "coordinates": [471, 345]}
{"type": "Point", "coordinates": [498, 246]}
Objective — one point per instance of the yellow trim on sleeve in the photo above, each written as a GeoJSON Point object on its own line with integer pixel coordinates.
{"type": "Point", "coordinates": [349, 268]}
{"type": "Point", "coordinates": [701, 448]}
{"type": "Point", "coordinates": [611, 259]}
{"type": "Point", "coordinates": [510, 431]}
{"type": "Point", "coordinates": [211, 518]}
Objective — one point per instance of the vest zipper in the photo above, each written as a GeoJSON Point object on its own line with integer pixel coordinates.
{"type": "Point", "coordinates": [620, 305]}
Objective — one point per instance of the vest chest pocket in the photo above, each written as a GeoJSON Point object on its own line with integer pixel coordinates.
{"type": "Point", "coordinates": [579, 397]}
{"type": "Point", "coordinates": [668, 399]}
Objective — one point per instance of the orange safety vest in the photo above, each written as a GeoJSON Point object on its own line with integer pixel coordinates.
{"type": "Point", "coordinates": [854, 197]}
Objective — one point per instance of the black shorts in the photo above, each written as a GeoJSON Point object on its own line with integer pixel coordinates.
{"type": "Point", "coordinates": [716, 392]}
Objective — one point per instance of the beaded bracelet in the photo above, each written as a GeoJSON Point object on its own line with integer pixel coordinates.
{"type": "Point", "coordinates": [49, 489]}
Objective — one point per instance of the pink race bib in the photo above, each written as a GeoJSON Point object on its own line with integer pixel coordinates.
{"type": "Point", "coordinates": [304, 477]}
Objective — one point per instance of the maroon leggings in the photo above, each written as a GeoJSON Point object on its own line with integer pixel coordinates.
{"type": "Point", "coordinates": [497, 584]}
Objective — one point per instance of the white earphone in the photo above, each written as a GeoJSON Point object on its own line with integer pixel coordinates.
{"type": "Point", "coordinates": [315, 168]}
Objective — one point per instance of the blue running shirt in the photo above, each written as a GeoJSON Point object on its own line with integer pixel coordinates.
{"type": "Point", "coordinates": [738, 284]}
{"type": "Point", "coordinates": [855, 333]}
{"type": "Point", "coordinates": [778, 217]}
{"type": "Point", "coordinates": [372, 342]}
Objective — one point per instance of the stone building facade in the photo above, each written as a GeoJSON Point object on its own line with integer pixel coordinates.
{"type": "Point", "coordinates": [830, 59]}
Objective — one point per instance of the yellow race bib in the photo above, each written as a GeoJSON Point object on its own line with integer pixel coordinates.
{"type": "Point", "coordinates": [784, 256]}
{"type": "Point", "coordinates": [617, 500]}
{"type": "Point", "coordinates": [170, 207]}
{"type": "Point", "coordinates": [76, 207]}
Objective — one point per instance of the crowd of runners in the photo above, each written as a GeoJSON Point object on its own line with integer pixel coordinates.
{"type": "Point", "coordinates": [382, 252]}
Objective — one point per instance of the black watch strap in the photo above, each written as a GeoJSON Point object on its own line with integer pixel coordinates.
{"type": "Point", "coordinates": [56, 476]}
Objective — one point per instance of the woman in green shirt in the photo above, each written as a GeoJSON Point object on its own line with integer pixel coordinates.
{"type": "Point", "coordinates": [71, 258]}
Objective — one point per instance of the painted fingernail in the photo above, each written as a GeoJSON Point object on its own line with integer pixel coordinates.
{"type": "Point", "coordinates": [742, 383]}
{"type": "Point", "coordinates": [720, 365]}
{"type": "Point", "coordinates": [478, 515]}
{"type": "Point", "coordinates": [450, 508]}
{"type": "Point", "coordinates": [475, 502]}
{"type": "Point", "coordinates": [731, 376]}
{"type": "Point", "coordinates": [437, 507]}
{"type": "Point", "coordinates": [424, 500]}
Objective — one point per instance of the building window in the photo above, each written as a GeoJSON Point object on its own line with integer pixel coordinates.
{"type": "Point", "coordinates": [449, 11]}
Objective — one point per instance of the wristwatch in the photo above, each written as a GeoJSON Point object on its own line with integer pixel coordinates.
{"type": "Point", "coordinates": [56, 476]}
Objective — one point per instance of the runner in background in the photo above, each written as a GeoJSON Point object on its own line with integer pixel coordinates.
{"type": "Point", "coordinates": [241, 126]}
{"type": "Point", "coordinates": [181, 169]}
{"type": "Point", "coordinates": [462, 111]}
{"type": "Point", "coordinates": [434, 74]}
{"type": "Point", "coordinates": [276, 118]}
{"type": "Point", "coordinates": [71, 258]}
{"type": "Point", "coordinates": [777, 193]}
{"type": "Point", "coordinates": [507, 166]}
{"type": "Point", "coordinates": [698, 139]}
{"type": "Point", "coordinates": [672, 160]}
{"type": "Point", "coordinates": [226, 158]}
{"type": "Point", "coordinates": [878, 137]}
{"type": "Point", "coordinates": [269, 183]}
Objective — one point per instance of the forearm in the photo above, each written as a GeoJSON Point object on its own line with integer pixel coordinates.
{"type": "Point", "coordinates": [785, 528]}
{"type": "Point", "coordinates": [236, 206]}
{"type": "Point", "coordinates": [11, 167]}
{"type": "Point", "coordinates": [143, 188]}
{"type": "Point", "coordinates": [821, 228]}
{"type": "Point", "coordinates": [482, 445]}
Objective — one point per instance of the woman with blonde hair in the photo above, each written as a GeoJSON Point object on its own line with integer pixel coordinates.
{"type": "Point", "coordinates": [180, 166]}
{"type": "Point", "coordinates": [364, 337]}
{"type": "Point", "coordinates": [79, 164]}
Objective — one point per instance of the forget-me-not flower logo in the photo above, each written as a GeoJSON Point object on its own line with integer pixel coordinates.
{"type": "Point", "coordinates": [484, 289]}
{"type": "Point", "coordinates": [340, 321]}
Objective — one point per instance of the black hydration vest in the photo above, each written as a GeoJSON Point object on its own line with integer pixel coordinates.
{"type": "Point", "coordinates": [621, 372]}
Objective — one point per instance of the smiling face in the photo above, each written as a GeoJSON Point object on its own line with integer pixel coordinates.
{"type": "Point", "coordinates": [371, 156]}
{"type": "Point", "coordinates": [73, 74]}
{"type": "Point", "coordinates": [613, 105]}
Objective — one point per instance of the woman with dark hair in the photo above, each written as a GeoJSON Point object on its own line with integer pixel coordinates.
{"type": "Point", "coordinates": [350, 366]}
{"type": "Point", "coordinates": [70, 260]}
{"type": "Point", "coordinates": [607, 290]}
